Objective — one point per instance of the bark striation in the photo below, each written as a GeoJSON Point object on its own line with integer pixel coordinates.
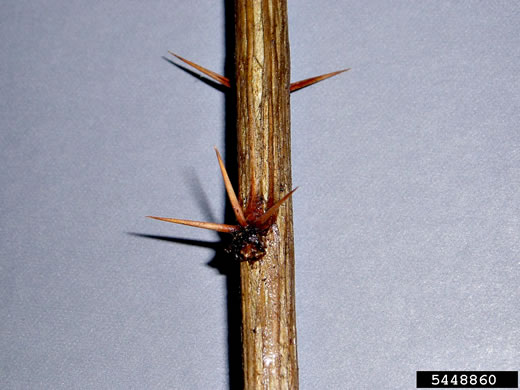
{"type": "Point", "coordinates": [264, 159]}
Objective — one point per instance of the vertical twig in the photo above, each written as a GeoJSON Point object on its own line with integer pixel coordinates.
{"type": "Point", "coordinates": [263, 239]}
{"type": "Point", "coordinates": [264, 163]}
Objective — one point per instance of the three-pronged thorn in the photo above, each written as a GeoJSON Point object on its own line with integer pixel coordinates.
{"type": "Point", "coordinates": [248, 236]}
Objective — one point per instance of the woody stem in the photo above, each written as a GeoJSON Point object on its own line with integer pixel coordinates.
{"type": "Point", "coordinates": [264, 163]}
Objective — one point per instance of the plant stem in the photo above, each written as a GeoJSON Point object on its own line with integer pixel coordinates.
{"type": "Point", "coordinates": [264, 168]}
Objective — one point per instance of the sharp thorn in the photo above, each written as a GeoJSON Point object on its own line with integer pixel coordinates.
{"type": "Point", "coordinates": [219, 227]}
{"type": "Point", "coordinates": [215, 76]}
{"type": "Point", "coordinates": [239, 213]}
{"type": "Point", "coordinates": [305, 83]}
{"type": "Point", "coordinates": [269, 213]}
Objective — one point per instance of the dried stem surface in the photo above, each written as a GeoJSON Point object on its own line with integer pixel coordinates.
{"type": "Point", "coordinates": [264, 160]}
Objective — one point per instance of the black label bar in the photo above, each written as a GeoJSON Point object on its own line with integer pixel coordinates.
{"type": "Point", "coordinates": [467, 379]}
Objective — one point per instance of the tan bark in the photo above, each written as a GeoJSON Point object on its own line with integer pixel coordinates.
{"type": "Point", "coordinates": [264, 160]}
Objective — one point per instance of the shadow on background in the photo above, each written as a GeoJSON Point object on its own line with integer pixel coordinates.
{"type": "Point", "coordinates": [234, 311]}
{"type": "Point", "coordinates": [202, 78]}
{"type": "Point", "coordinates": [222, 261]}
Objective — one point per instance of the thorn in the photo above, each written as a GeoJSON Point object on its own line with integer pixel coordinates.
{"type": "Point", "coordinates": [219, 227]}
{"type": "Point", "coordinates": [269, 213]}
{"type": "Point", "coordinates": [305, 83]}
{"type": "Point", "coordinates": [215, 76]}
{"type": "Point", "coordinates": [239, 213]}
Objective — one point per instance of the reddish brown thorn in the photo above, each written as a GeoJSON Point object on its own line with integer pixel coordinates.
{"type": "Point", "coordinates": [304, 83]}
{"type": "Point", "coordinates": [239, 213]}
{"type": "Point", "coordinates": [219, 227]}
{"type": "Point", "coordinates": [215, 76]}
{"type": "Point", "coordinates": [269, 213]}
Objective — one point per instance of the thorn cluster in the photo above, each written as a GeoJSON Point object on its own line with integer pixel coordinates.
{"type": "Point", "coordinates": [248, 236]}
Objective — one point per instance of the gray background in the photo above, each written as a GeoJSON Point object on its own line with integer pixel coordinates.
{"type": "Point", "coordinates": [407, 220]}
